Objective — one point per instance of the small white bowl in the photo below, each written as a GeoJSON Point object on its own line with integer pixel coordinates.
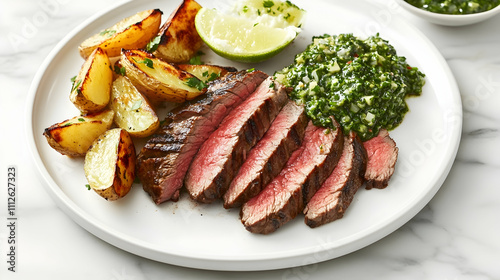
{"type": "Point", "coordinates": [449, 20]}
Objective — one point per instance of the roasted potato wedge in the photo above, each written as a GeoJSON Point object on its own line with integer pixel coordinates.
{"type": "Point", "coordinates": [110, 164]}
{"type": "Point", "coordinates": [92, 86]}
{"type": "Point", "coordinates": [179, 40]}
{"type": "Point", "coordinates": [133, 112]}
{"type": "Point", "coordinates": [73, 137]}
{"type": "Point", "coordinates": [205, 72]}
{"type": "Point", "coordinates": [133, 32]}
{"type": "Point", "coordinates": [159, 80]}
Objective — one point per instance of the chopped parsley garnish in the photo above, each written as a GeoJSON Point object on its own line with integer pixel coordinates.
{"type": "Point", "coordinates": [153, 44]}
{"type": "Point", "coordinates": [213, 76]}
{"type": "Point", "coordinates": [87, 186]}
{"type": "Point", "coordinates": [268, 4]}
{"type": "Point", "coordinates": [75, 84]}
{"type": "Point", "coordinates": [148, 62]}
{"type": "Point", "coordinates": [119, 70]}
{"type": "Point", "coordinates": [196, 83]}
{"type": "Point", "coordinates": [210, 76]}
{"type": "Point", "coordinates": [196, 60]}
{"type": "Point", "coordinates": [81, 119]}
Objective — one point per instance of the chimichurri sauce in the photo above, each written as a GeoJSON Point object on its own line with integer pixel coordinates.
{"type": "Point", "coordinates": [362, 83]}
{"type": "Point", "coordinates": [455, 7]}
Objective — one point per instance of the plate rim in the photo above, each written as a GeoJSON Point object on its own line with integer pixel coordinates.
{"type": "Point", "coordinates": [140, 248]}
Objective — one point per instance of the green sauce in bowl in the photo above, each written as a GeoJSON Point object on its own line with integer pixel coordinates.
{"type": "Point", "coordinates": [455, 7]}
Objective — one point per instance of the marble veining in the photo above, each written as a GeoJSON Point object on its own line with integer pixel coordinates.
{"type": "Point", "coordinates": [456, 236]}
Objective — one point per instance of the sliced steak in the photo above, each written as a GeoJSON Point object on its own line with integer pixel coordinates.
{"type": "Point", "coordinates": [335, 195]}
{"type": "Point", "coordinates": [164, 160]}
{"type": "Point", "coordinates": [222, 154]}
{"type": "Point", "coordinates": [269, 155]}
{"type": "Point", "coordinates": [382, 156]}
{"type": "Point", "coordinates": [288, 193]}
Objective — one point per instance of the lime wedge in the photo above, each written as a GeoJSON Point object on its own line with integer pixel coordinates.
{"type": "Point", "coordinates": [241, 38]}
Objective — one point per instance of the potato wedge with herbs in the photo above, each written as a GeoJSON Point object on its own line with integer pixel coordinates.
{"type": "Point", "coordinates": [110, 164]}
{"type": "Point", "coordinates": [92, 86]}
{"type": "Point", "coordinates": [133, 32]}
{"type": "Point", "coordinates": [205, 72]}
{"type": "Point", "coordinates": [158, 80]}
{"type": "Point", "coordinates": [73, 137]}
{"type": "Point", "coordinates": [178, 39]}
{"type": "Point", "coordinates": [133, 112]}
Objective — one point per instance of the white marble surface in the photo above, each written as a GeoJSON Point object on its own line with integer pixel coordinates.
{"type": "Point", "coordinates": [456, 236]}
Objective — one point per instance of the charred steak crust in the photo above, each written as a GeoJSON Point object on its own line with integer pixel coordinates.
{"type": "Point", "coordinates": [288, 193]}
{"type": "Point", "coordinates": [222, 154]}
{"type": "Point", "coordinates": [382, 156]}
{"type": "Point", "coordinates": [165, 158]}
{"type": "Point", "coordinates": [336, 194]}
{"type": "Point", "coordinates": [269, 155]}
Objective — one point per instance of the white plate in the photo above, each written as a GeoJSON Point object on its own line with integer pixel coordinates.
{"type": "Point", "coordinates": [210, 237]}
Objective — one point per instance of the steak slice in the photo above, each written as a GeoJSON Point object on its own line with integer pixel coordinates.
{"type": "Point", "coordinates": [269, 155]}
{"type": "Point", "coordinates": [382, 156]}
{"type": "Point", "coordinates": [164, 160]}
{"type": "Point", "coordinates": [222, 154]}
{"type": "Point", "coordinates": [288, 193]}
{"type": "Point", "coordinates": [335, 195]}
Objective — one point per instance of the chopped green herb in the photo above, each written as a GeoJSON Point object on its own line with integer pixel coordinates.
{"type": "Point", "coordinates": [250, 70]}
{"type": "Point", "coordinates": [196, 83]}
{"type": "Point", "coordinates": [255, 24]}
{"type": "Point", "coordinates": [213, 76]}
{"type": "Point", "coordinates": [120, 70]}
{"type": "Point", "coordinates": [210, 76]}
{"type": "Point", "coordinates": [87, 186]}
{"type": "Point", "coordinates": [81, 119]}
{"type": "Point", "coordinates": [153, 44]}
{"type": "Point", "coordinates": [196, 60]}
{"type": "Point", "coordinates": [268, 4]}
{"type": "Point", "coordinates": [76, 84]}
{"type": "Point", "coordinates": [148, 62]}
{"type": "Point", "coordinates": [136, 105]}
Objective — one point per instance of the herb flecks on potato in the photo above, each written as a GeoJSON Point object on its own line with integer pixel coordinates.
{"type": "Point", "coordinates": [133, 32]}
